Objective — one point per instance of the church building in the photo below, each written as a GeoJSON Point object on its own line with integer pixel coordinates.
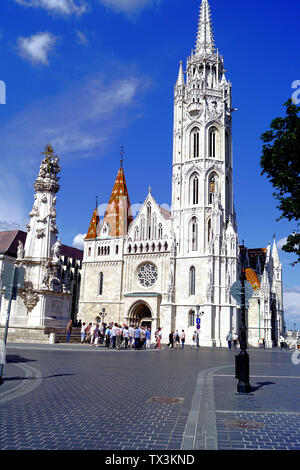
{"type": "Point", "coordinates": [161, 268]}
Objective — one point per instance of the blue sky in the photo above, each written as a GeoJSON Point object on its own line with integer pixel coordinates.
{"type": "Point", "coordinates": [92, 75]}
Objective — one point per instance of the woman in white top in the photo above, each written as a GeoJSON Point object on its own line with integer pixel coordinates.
{"type": "Point", "coordinates": [182, 337]}
{"type": "Point", "coordinates": [83, 327]}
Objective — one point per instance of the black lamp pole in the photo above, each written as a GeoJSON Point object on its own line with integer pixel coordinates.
{"type": "Point", "coordinates": [242, 360]}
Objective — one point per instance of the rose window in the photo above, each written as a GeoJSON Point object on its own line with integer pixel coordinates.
{"type": "Point", "coordinates": [147, 275]}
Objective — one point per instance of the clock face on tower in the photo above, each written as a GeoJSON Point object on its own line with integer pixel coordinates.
{"type": "Point", "coordinates": [147, 274]}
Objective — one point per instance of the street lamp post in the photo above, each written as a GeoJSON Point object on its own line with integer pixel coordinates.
{"type": "Point", "coordinates": [198, 324]}
{"type": "Point", "coordinates": [197, 336]}
{"type": "Point", "coordinates": [103, 314]}
{"type": "Point", "coordinates": [242, 360]}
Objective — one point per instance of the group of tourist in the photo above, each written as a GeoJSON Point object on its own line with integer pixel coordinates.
{"type": "Point", "coordinates": [232, 338]}
{"type": "Point", "coordinates": [116, 336]}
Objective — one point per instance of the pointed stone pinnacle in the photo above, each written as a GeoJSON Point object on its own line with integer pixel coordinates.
{"type": "Point", "coordinates": [205, 40]}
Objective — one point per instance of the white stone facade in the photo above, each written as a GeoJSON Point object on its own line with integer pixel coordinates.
{"type": "Point", "coordinates": [170, 262]}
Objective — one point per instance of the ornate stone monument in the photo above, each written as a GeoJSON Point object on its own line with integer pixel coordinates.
{"type": "Point", "coordinates": [45, 300]}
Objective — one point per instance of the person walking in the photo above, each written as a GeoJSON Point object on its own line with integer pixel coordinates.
{"type": "Point", "coordinates": [126, 336]}
{"type": "Point", "coordinates": [101, 333]}
{"type": "Point", "coordinates": [229, 340]}
{"type": "Point", "coordinates": [195, 338]}
{"type": "Point", "coordinates": [88, 333]}
{"type": "Point", "coordinates": [92, 330]}
{"type": "Point", "coordinates": [142, 337]}
{"type": "Point", "coordinates": [118, 336]}
{"type": "Point", "coordinates": [107, 337]}
{"type": "Point", "coordinates": [82, 332]}
{"type": "Point", "coordinates": [281, 342]}
{"type": "Point", "coordinates": [96, 335]}
{"type": "Point", "coordinates": [148, 338]}
{"type": "Point", "coordinates": [113, 335]}
{"type": "Point", "coordinates": [159, 338]}
{"type": "Point", "coordinates": [131, 336]}
{"type": "Point", "coordinates": [182, 337]}
{"type": "Point", "coordinates": [176, 339]}
{"type": "Point", "coordinates": [137, 338]}
{"type": "Point", "coordinates": [171, 340]}
{"type": "Point", "coordinates": [69, 330]}
{"type": "Point", "coordinates": [235, 339]}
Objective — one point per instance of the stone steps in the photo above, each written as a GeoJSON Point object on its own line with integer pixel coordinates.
{"type": "Point", "coordinates": [61, 335]}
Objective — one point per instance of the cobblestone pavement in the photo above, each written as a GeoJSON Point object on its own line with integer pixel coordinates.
{"type": "Point", "coordinates": [67, 397]}
{"type": "Point", "coordinates": [269, 418]}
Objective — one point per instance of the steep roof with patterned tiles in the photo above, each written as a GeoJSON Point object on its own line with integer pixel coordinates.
{"type": "Point", "coordinates": [118, 215]}
{"type": "Point", "coordinates": [252, 277]}
{"type": "Point", "coordinates": [92, 231]}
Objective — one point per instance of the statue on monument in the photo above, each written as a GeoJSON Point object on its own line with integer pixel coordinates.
{"type": "Point", "coordinates": [20, 251]}
{"type": "Point", "coordinates": [56, 251]}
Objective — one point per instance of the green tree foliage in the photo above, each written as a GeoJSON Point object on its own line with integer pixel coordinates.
{"type": "Point", "coordinates": [280, 161]}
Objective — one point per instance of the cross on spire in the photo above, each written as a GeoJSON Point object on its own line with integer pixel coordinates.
{"type": "Point", "coordinates": [48, 153]}
{"type": "Point", "coordinates": [122, 154]}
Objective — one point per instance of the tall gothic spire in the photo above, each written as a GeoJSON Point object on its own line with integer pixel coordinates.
{"type": "Point", "coordinates": [205, 40]}
{"type": "Point", "coordinates": [118, 214]}
{"type": "Point", "coordinates": [180, 79]}
{"type": "Point", "coordinates": [92, 232]}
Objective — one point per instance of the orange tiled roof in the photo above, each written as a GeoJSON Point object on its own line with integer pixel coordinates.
{"type": "Point", "coordinates": [118, 213]}
{"type": "Point", "coordinates": [251, 277]}
{"type": "Point", "coordinates": [92, 232]}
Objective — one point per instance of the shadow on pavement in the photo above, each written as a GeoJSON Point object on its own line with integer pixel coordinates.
{"type": "Point", "coordinates": [260, 385]}
{"type": "Point", "coordinates": [16, 358]}
{"type": "Point", "coordinates": [11, 379]}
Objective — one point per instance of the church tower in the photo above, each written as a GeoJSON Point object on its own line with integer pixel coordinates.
{"type": "Point", "coordinates": [203, 217]}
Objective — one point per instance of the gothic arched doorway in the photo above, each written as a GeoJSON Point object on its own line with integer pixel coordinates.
{"type": "Point", "coordinates": [140, 314]}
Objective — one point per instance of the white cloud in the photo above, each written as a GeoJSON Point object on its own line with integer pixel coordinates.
{"type": "Point", "coordinates": [281, 243]}
{"type": "Point", "coordinates": [129, 6]}
{"type": "Point", "coordinates": [82, 38]}
{"type": "Point", "coordinates": [63, 7]}
{"type": "Point", "coordinates": [7, 225]}
{"type": "Point", "coordinates": [78, 241]}
{"type": "Point", "coordinates": [77, 122]}
{"type": "Point", "coordinates": [36, 48]}
{"type": "Point", "coordinates": [80, 123]}
{"type": "Point", "coordinates": [291, 303]}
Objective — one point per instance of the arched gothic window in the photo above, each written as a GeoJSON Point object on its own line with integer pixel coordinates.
{"type": "Point", "coordinates": [142, 228]}
{"type": "Point", "coordinates": [192, 281]}
{"type": "Point", "coordinates": [212, 187]}
{"type": "Point", "coordinates": [194, 234]}
{"type": "Point", "coordinates": [100, 283]}
{"type": "Point", "coordinates": [212, 142]}
{"type": "Point", "coordinates": [195, 142]}
{"type": "Point", "coordinates": [192, 318]}
{"type": "Point", "coordinates": [89, 251]}
{"type": "Point", "coordinates": [160, 231]}
{"type": "Point", "coordinates": [136, 234]}
{"type": "Point", "coordinates": [227, 192]}
{"type": "Point", "coordinates": [154, 227]}
{"type": "Point", "coordinates": [149, 221]}
{"type": "Point", "coordinates": [227, 149]}
{"type": "Point", "coordinates": [194, 188]}
{"type": "Point", "coordinates": [209, 230]}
